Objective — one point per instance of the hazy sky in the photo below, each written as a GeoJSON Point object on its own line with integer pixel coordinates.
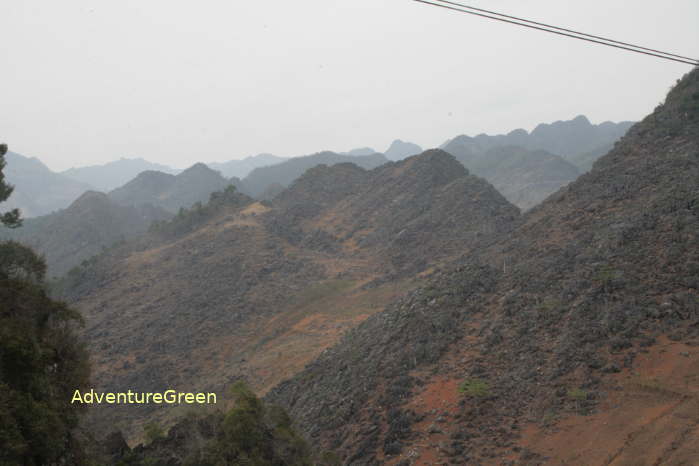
{"type": "Point", "coordinates": [88, 81]}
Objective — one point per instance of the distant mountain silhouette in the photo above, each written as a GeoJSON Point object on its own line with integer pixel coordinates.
{"type": "Point", "coordinates": [524, 177]}
{"type": "Point", "coordinates": [242, 168]}
{"type": "Point", "coordinates": [548, 158]}
{"type": "Point", "coordinates": [114, 174]}
{"type": "Point", "coordinates": [564, 138]}
{"type": "Point", "coordinates": [399, 150]}
{"type": "Point", "coordinates": [360, 151]}
{"type": "Point", "coordinates": [38, 190]}
{"type": "Point", "coordinates": [91, 223]}
{"type": "Point", "coordinates": [171, 192]}
{"type": "Point", "coordinates": [286, 172]}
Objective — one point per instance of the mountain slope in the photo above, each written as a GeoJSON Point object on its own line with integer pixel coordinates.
{"type": "Point", "coordinates": [243, 289]}
{"type": "Point", "coordinates": [286, 172]}
{"type": "Point", "coordinates": [111, 175]}
{"type": "Point", "coordinates": [548, 158]}
{"type": "Point", "coordinates": [170, 192]}
{"type": "Point", "coordinates": [524, 177]}
{"type": "Point", "coordinates": [526, 330]}
{"type": "Point", "coordinates": [38, 190]}
{"type": "Point", "coordinates": [91, 223]}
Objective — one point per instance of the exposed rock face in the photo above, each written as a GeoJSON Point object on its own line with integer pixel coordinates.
{"type": "Point", "coordinates": [257, 290]}
{"type": "Point", "coordinates": [530, 326]}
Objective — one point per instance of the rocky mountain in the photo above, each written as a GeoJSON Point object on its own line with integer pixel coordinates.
{"type": "Point", "coordinates": [524, 177]}
{"type": "Point", "coordinates": [583, 318]}
{"type": "Point", "coordinates": [242, 168]}
{"type": "Point", "coordinates": [398, 150]}
{"type": "Point", "coordinates": [38, 190]}
{"type": "Point", "coordinates": [111, 175]}
{"type": "Point", "coordinates": [286, 172]}
{"type": "Point", "coordinates": [91, 223]}
{"type": "Point", "coordinates": [170, 192]}
{"type": "Point", "coordinates": [564, 138]}
{"type": "Point", "coordinates": [244, 289]}
{"type": "Point", "coordinates": [550, 157]}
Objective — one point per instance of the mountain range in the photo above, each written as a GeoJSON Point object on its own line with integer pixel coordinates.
{"type": "Point", "coordinates": [332, 249]}
{"type": "Point", "coordinates": [483, 303]}
{"type": "Point", "coordinates": [111, 175]}
{"type": "Point", "coordinates": [38, 190]}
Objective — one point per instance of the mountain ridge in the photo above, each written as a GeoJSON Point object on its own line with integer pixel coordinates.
{"type": "Point", "coordinates": [525, 330]}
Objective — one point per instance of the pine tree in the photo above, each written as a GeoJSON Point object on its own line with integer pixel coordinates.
{"type": "Point", "coordinates": [41, 361]}
{"type": "Point", "coordinates": [10, 219]}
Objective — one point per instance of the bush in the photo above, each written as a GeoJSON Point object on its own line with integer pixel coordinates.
{"type": "Point", "coordinates": [476, 388]}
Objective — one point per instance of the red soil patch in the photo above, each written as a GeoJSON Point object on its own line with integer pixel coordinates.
{"type": "Point", "coordinates": [650, 417]}
{"type": "Point", "coordinates": [437, 402]}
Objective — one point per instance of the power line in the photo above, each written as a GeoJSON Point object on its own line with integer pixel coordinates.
{"type": "Point", "coordinates": [564, 29]}
{"type": "Point", "coordinates": [560, 31]}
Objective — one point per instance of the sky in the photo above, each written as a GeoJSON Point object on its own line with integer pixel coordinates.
{"type": "Point", "coordinates": [85, 82]}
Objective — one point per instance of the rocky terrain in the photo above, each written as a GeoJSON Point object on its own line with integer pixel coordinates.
{"type": "Point", "coordinates": [243, 289]}
{"type": "Point", "coordinates": [563, 322]}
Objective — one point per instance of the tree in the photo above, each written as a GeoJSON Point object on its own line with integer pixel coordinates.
{"type": "Point", "coordinates": [10, 219]}
{"type": "Point", "coordinates": [41, 361]}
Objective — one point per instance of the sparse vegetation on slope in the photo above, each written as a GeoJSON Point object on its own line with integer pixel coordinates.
{"type": "Point", "coordinates": [576, 292]}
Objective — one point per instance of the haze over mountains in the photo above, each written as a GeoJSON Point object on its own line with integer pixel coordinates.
{"type": "Point", "coordinates": [92, 222]}
{"type": "Point", "coordinates": [38, 190]}
{"type": "Point", "coordinates": [484, 303]}
{"type": "Point", "coordinates": [525, 177]}
{"type": "Point", "coordinates": [114, 174]}
{"type": "Point", "coordinates": [340, 236]}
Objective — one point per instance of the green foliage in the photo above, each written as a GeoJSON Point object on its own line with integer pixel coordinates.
{"type": "Point", "coordinates": [41, 365]}
{"type": "Point", "coordinates": [577, 394]}
{"type": "Point", "coordinates": [10, 219]}
{"type": "Point", "coordinates": [153, 431]}
{"type": "Point", "coordinates": [476, 388]}
{"type": "Point", "coordinates": [41, 361]}
{"type": "Point", "coordinates": [255, 434]}
{"type": "Point", "coordinates": [19, 261]}
{"type": "Point", "coordinates": [187, 220]}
